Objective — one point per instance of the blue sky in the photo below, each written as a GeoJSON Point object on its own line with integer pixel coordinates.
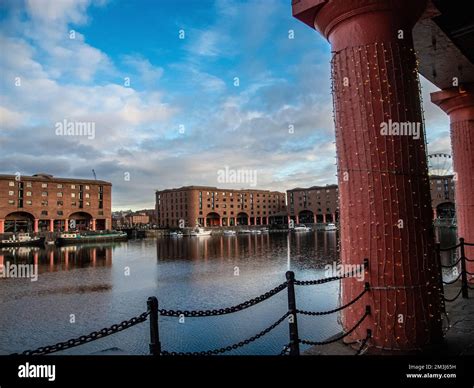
{"type": "Point", "coordinates": [182, 117]}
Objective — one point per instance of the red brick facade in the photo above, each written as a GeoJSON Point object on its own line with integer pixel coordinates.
{"type": "Point", "coordinates": [45, 203]}
{"type": "Point", "coordinates": [317, 204]}
{"type": "Point", "coordinates": [211, 206]}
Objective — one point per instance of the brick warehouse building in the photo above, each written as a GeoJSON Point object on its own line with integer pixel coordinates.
{"type": "Point", "coordinates": [316, 204]}
{"type": "Point", "coordinates": [44, 203]}
{"type": "Point", "coordinates": [210, 206]}
{"type": "Point", "coordinates": [442, 196]}
{"type": "Point", "coordinates": [319, 204]}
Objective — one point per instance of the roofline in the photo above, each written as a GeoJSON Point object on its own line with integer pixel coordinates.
{"type": "Point", "coordinates": [43, 178]}
{"type": "Point", "coordinates": [212, 188]}
{"type": "Point", "coordinates": [331, 186]}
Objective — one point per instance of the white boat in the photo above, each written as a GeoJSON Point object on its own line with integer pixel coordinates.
{"type": "Point", "coordinates": [265, 230]}
{"type": "Point", "coordinates": [329, 227]}
{"type": "Point", "coordinates": [176, 234]}
{"type": "Point", "coordinates": [256, 231]}
{"type": "Point", "coordinates": [229, 233]}
{"type": "Point", "coordinates": [22, 239]}
{"type": "Point", "coordinates": [301, 228]}
{"type": "Point", "coordinates": [198, 231]}
{"type": "Point", "coordinates": [245, 231]}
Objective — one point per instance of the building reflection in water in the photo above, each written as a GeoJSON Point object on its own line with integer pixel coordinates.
{"type": "Point", "coordinates": [52, 258]}
{"type": "Point", "coordinates": [293, 246]}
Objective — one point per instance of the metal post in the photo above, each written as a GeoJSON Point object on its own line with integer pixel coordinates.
{"type": "Point", "coordinates": [155, 345]}
{"type": "Point", "coordinates": [440, 278]}
{"type": "Point", "coordinates": [465, 290]}
{"type": "Point", "coordinates": [292, 318]}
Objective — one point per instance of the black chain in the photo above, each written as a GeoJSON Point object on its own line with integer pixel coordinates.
{"type": "Point", "coordinates": [223, 311]}
{"type": "Point", "coordinates": [230, 347]}
{"type": "Point", "coordinates": [95, 335]}
{"type": "Point", "coordinates": [364, 341]}
{"type": "Point", "coordinates": [314, 343]}
{"type": "Point", "coordinates": [317, 313]}
{"type": "Point", "coordinates": [327, 280]}
{"type": "Point", "coordinates": [452, 265]}
{"type": "Point", "coordinates": [450, 248]}
{"type": "Point", "coordinates": [453, 299]}
{"type": "Point", "coordinates": [285, 350]}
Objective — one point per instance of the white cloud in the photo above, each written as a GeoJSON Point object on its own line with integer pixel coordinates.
{"type": "Point", "coordinates": [148, 73]}
{"type": "Point", "coordinates": [9, 119]}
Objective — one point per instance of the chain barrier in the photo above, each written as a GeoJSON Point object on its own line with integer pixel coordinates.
{"type": "Point", "coordinates": [452, 265]}
{"type": "Point", "coordinates": [153, 312]}
{"type": "Point", "coordinates": [223, 311]}
{"type": "Point", "coordinates": [464, 289]}
{"type": "Point", "coordinates": [451, 248]}
{"type": "Point", "coordinates": [230, 347]}
{"type": "Point", "coordinates": [364, 342]}
{"type": "Point", "coordinates": [83, 339]}
{"type": "Point", "coordinates": [453, 299]}
{"type": "Point", "coordinates": [285, 350]}
{"type": "Point", "coordinates": [314, 343]}
{"type": "Point", "coordinates": [318, 313]}
{"type": "Point", "coordinates": [330, 279]}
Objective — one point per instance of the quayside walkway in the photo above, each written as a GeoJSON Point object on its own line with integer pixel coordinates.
{"type": "Point", "coordinates": [459, 332]}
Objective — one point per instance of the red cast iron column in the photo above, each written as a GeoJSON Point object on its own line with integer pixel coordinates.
{"type": "Point", "coordinates": [458, 103]}
{"type": "Point", "coordinates": [385, 204]}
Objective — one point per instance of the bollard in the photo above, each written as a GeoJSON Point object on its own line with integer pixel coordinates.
{"type": "Point", "coordinates": [440, 277]}
{"type": "Point", "coordinates": [155, 346]}
{"type": "Point", "coordinates": [464, 288]}
{"type": "Point", "coordinates": [292, 323]}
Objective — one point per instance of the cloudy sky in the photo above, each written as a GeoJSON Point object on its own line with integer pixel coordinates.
{"type": "Point", "coordinates": [176, 91]}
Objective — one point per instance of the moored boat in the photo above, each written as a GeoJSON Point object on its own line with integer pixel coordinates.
{"type": "Point", "coordinates": [199, 232]}
{"type": "Point", "coordinates": [22, 240]}
{"type": "Point", "coordinates": [229, 232]}
{"type": "Point", "coordinates": [78, 237]}
{"type": "Point", "coordinates": [301, 228]}
{"type": "Point", "coordinates": [329, 227]}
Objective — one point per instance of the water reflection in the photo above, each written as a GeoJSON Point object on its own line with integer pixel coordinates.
{"type": "Point", "coordinates": [298, 247]}
{"type": "Point", "coordinates": [51, 258]}
{"type": "Point", "coordinates": [91, 282]}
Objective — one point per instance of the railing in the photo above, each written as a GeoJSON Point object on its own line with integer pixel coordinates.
{"type": "Point", "coordinates": [462, 274]}
{"type": "Point", "coordinates": [292, 348]}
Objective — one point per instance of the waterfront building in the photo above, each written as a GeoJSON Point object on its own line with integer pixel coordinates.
{"type": "Point", "coordinates": [45, 203]}
{"type": "Point", "coordinates": [442, 196]}
{"type": "Point", "coordinates": [214, 207]}
{"type": "Point", "coordinates": [316, 204]}
{"type": "Point", "coordinates": [137, 218]}
{"type": "Point", "coordinates": [319, 204]}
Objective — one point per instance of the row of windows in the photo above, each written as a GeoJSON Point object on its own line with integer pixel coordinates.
{"type": "Point", "coordinates": [45, 194]}
{"type": "Point", "coordinates": [309, 203]}
{"type": "Point", "coordinates": [172, 214]}
{"type": "Point", "coordinates": [45, 203]}
{"type": "Point", "coordinates": [221, 205]}
{"type": "Point", "coordinates": [176, 194]}
{"type": "Point", "coordinates": [45, 185]}
{"type": "Point", "coordinates": [60, 213]}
